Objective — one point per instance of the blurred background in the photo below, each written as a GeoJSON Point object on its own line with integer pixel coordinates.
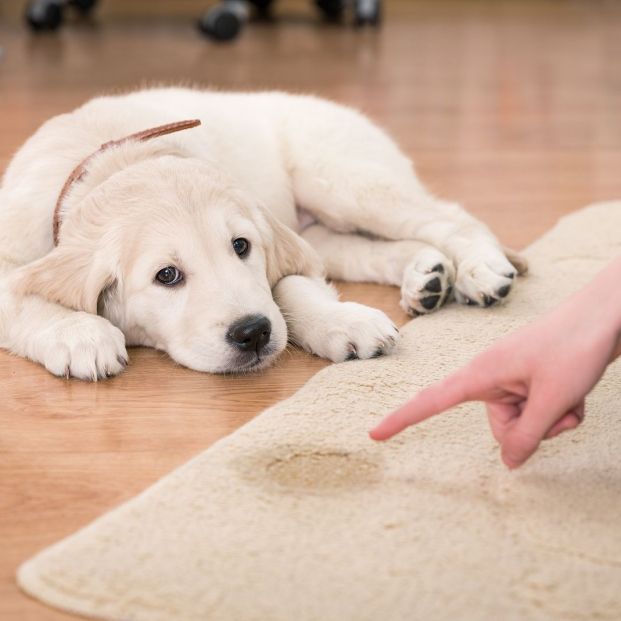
{"type": "Point", "coordinates": [510, 106]}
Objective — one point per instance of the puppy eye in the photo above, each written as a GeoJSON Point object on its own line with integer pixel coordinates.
{"type": "Point", "coordinates": [241, 246]}
{"type": "Point", "coordinates": [169, 276]}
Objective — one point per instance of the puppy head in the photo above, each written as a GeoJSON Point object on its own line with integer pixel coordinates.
{"type": "Point", "coordinates": [179, 259]}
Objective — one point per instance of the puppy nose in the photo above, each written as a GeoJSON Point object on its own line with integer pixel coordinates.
{"type": "Point", "coordinates": [250, 333]}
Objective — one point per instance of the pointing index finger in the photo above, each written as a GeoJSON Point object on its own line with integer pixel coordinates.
{"type": "Point", "coordinates": [453, 390]}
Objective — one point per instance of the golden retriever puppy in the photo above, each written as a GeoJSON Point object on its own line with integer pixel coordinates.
{"type": "Point", "coordinates": [212, 242]}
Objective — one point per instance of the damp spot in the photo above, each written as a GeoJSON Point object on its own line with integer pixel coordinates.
{"type": "Point", "coordinates": [322, 470]}
{"type": "Point", "coordinates": [315, 470]}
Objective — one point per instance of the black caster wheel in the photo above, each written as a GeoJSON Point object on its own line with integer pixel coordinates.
{"type": "Point", "coordinates": [48, 14]}
{"type": "Point", "coordinates": [224, 22]}
{"type": "Point", "coordinates": [44, 15]}
{"type": "Point", "coordinates": [331, 9]}
{"type": "Point", "coordinates": [262, 7]}
{"type": "Point", "coordinates": [84, 6]}
{"type": "Point", "coordinates": [367, 12]}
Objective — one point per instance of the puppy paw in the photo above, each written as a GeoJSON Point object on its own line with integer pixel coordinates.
{"type": "Point", "coordinates": [84, 346]}
{"type": "Point", "coordinates": [427, 283]}
{"type": "Point", "coordinates": [351, 331]}
{"type": "Point", "coordinates": [484, 280]}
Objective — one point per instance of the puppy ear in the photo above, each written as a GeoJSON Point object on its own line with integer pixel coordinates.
{"type": "Point", "coordinates": [286, 252]}
{"type": "Point", "coordinates": [517, 260]}
{"type": "Point", "coordinates": [66, 276]}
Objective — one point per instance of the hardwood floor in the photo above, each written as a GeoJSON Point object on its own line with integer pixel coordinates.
{"type": "Point", "coordinates": [510, 107]}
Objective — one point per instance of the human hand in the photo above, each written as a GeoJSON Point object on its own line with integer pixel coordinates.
{"type": "Point", "coordinates": [533, 382]}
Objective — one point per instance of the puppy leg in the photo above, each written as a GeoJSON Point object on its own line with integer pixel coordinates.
{"type": "Point", "coordinates": [425, 275]}
{"type": "Point", "coordinates": [335, 330]}
{"type": "Point", "coordinates": [386, 205]}
{"type": "Point", "coordinates": [67, 343]}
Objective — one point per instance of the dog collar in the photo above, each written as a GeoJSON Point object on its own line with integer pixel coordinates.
{"type": "Point", "coordinates": [80, 170]}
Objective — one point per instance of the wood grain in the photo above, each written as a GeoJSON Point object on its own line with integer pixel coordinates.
{"type": "Point", "coordinates": [510, 107]}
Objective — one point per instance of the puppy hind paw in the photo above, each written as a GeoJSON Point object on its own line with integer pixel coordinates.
{"type": "Point", "coordinates": [427, 283]}
{"type": "Point", "coordinates": [484, 282]}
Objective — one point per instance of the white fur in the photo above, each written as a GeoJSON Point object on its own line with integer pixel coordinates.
{"type": "Point", "coordinates": [257, 162]}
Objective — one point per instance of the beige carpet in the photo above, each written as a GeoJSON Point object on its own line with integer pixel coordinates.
{"type": "Point", "coordinates": [299, 516]}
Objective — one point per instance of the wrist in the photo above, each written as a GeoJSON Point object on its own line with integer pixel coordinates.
{"type": "Point", "coordinates": [602, 298]}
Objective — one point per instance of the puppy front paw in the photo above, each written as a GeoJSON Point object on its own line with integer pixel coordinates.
{"type": "Point", "coordinates": [349, 331]}
{"type": "Point", "coordinates": [84, 346]}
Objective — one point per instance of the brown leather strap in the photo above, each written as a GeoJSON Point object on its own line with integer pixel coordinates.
{"type": "Point", "coordinates": [80, 170]}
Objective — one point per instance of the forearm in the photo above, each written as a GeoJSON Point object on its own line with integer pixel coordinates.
{"type": "Point", "coordinates": [601, 301]}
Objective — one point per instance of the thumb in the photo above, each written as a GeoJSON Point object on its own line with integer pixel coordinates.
{"type": "Point", "coordinates": [524, 437]}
